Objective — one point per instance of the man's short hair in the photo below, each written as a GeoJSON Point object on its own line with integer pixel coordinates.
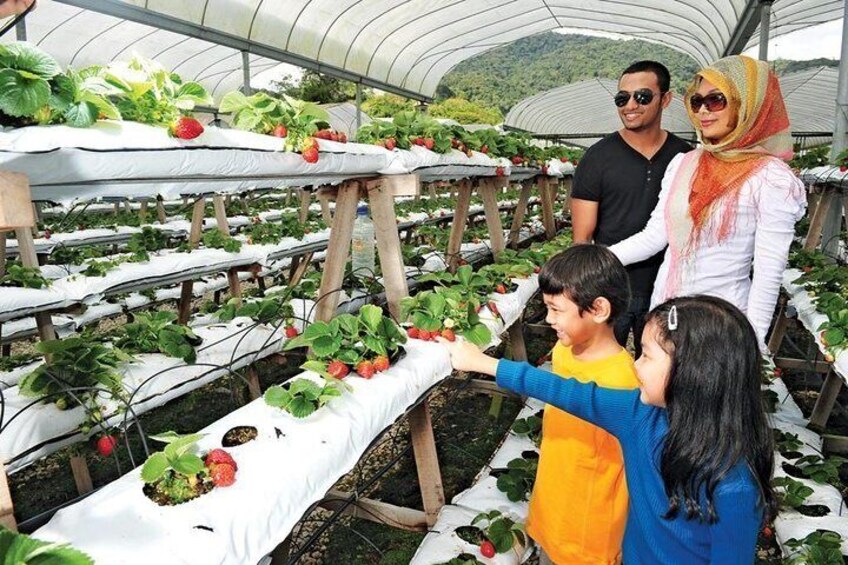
{"type": "Point", "coordinates": [584, 273]}
{"type": "Point", "coordinates": [663, 76]}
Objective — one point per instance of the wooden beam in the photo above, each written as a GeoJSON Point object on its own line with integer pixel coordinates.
{"type": "Point", "coordinates": [325, 209]}
{"type": "Point", "coordinates": [377, 511]}
{"type": "Point", "coordinates": [338, 249]}
{"type": "Point", "coordinates": [198, 213]}
{"type": "Point", "coordinates": [813, 238]}
{"type": "Point", "coordinates": [7, 508]}
{"type": "Point", "coordinates": [546, 195]}
{"type": "Point", "coordinates": [802, 365]}
{"type": "Point", "coordinates": [26, 252]}
{"type": "Point", "coordinates": [488, 192]}
{"type": "Point", "coordinates": [253, 387]}
{"type": "Point", "coordinates": [834, 444]}
{"type": "Point", "coordinates": [824, 404]}
{"type": "Point", "coordinates": [305, 201]}
{"type": "Point", "coordinates": [220, 214]}
{"type": "Point", "coordinates": [160, 210]}
{"type": "Point", "coordinates": [460, 217]}
{"type": "Point", "coordinates": [520, 212]}
{"type": "Point", "coordinates": [299, 266]}
{"type": "Point", "coordinates": [426, 461]}
{"type": "Point", "coordinates": [779, 330]}
{"type": "Point", "coordinates": [82, 477]}
{"type": "Point", "coordinates": [382, 206]}
{"type": "Point", "coordinates": [486, 387]}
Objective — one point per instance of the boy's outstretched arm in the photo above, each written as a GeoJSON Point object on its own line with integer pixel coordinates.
{"type": "Point", "coordinates": [613, 410]}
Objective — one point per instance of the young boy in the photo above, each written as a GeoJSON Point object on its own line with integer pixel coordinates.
{"type": "Point", "coordinates": [579, 503]}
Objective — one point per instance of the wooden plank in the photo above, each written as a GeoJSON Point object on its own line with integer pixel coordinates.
{"type": "Point", "coordinates": [325, 209]}
{"type": "Point", "coordinates": [299, 269]}
{"type": "Point", "coordinates": [220, 214]}
{"type": "Point", "coordinates": [7, 509]}
{"type": "Point", "coordinates": [184, 305]}
{"type": "Point", "coordinates": [338, 249]}
{"type": "Point", "coordinates": [824, 404]}
{"type": "Point", "coordinates": [460, 217]}
{"type": "Point", "coordinates": [15, 201]}
{"type": "Point", "coordinates": [397, 185]}
{"type": "Point", "coordinates": [779, 330]}
{"type": "Point", "coordinates": [377, 511]}
{"type": "Point", "coordinates": [817, 221]}
{"type": "Point", "coordinates": [142, 213]}
{"type": "Point", "coordinates": [520, 212]}
{"type": "Point", "coordinates": [426, 461]}
{"type": "Point", "coordinates": [26, 252]}
{"type": "Point", "coordinates": [546, 195]}
{"type": "Point", "coordinates": [802, 365]}
{"type": "Point", "coordinates": [197, 214]}
{"type": "Point", "coordinates": [488, 192]}
{"type": "Point", "coordinates": [382, 207]}
{"type": "Point", "coordinates": [160, 210]}
{"type": "Point", "coordinates": [305, 201]}
{"type": "Point", "coordinates": [82, 477]}
{"type": "Point", "coordinates": [485, 387]}
{"type": "Point", "coordinates": [432, 191]}
{"type": "Point", "coordinates": [253, 387]}
{"type": "Point", "coordinates": [234, 284]}
{"type": "Point", "coordinates": [834, 444]}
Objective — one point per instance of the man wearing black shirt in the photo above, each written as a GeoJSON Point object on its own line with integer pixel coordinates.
{"type": "Point", "coordinates": [617, 184]}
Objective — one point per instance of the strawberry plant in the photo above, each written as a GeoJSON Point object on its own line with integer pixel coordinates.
{"type": "Point", "coordinates": [23, 277]}
{"type": "Point", "coordinates": [148, 241]}
{"type": "Point", "coordinates": [500, 530]}
{"type": "Point", "coordinates": [99, 267]}
{"type": "Point", "coordinates": [176, 474]}
{"type": "Point", "coordinates": [351, 339]}
{"type": "Point", "coordinates": [517, 482]}
{"type": "Point", "coordinates": [216, 239]}
{"type": "Point", "coordinates": [158, 332]}
{"type": "Point", "coordinates": [445, 308]}
{"type": "Point", "coordinates": [75, 363]}
{"type": "Point", "coordinates": [302, 397]}
{"type": "Point", "coordinates": [822, 471]}
{"type": "Point", "coordinates": [786, 442]}
{"type": "Point", "coordinates": [792, 493]}
{"type": "Point", "coordinates": [21, 549]}
{"type": "Point", "coordinates": [272, 232]}
{"type": "Point", "coordinates": [531, 427]}
{"type": "Point", "coordinates": [263, 311]}
{"type": "Point", "coordinates": [821, 547]}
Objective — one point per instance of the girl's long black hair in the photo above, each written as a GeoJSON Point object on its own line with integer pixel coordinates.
{"type": "Point", "coordinates": [715, 408]}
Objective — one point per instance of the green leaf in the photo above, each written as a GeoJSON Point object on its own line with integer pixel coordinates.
{"type": "Point", "coordinates": [374, 344]}
{"type": "Point", "coordinates": [478, 334]}
{"type": "Point", "coordinates": [325, 346]}
{"type": "Point", "coordinates": [188, 464]}
{"type": "Point", "coordinates": [62, 93]}
{"type": "Point", "coordinates": [20, 96]}
{"type": "Point", "coordinates": [195, 92]}
{"type": "Point", "coordinates": [371, 316]}
{"type": "Point", "coordinates": [27, 57]}
{"type": "Point", "coordinates": [348, 324]}
{"type": "Point", "coordinates": [154, 468]}
{"type": "Point", "coordinates": [233, 102]}
{"type": "Point", "coordinates": [300, 407]}
{"type": "Point", "coordinates": [277, 397]}
{"type": "Point", "coordinates": [81, 115]}
{"type": "Point", "coordinates": [834, 337]}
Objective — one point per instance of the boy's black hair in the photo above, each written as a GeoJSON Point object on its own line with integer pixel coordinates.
{"type": "Point", "coordinates": [714, 405]}
{"type": "Point", "coordinates": [585, 273]}
{"type": "Point", "coordinates": [663, 76]}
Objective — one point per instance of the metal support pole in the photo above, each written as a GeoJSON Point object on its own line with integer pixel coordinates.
{"type": "Point", "coordinates": [20, 30]}
{"type": "Point", "coordinates": [245, 68]}
{"type": "Point", "coordinates": [765, 23]}
{"type": "Point", "coordinates": [358, 106]}
{"type": "Point", "coordinates": [833, 221]}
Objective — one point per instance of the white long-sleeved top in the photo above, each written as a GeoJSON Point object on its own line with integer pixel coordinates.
{"type": "Point", "coordinates": [770, 202]}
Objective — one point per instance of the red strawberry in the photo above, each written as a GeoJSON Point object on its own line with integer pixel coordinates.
{"type": "Point", "coordinates": [564, 159]}
{"type": "Point", "coordinates": [419, 141]}
{"type": "Point", "coordinates": [334, 137]}
{"type": "Point", "coordinates": [309, 142]}
{"type": "Point", "coordinates": [280, 131]}
{"type": "Point", "coordinates": [220, 457]}
{"type": "Point", "coordinates": [517, 160]}
{"type": "Point", "coordinates": [537, 269]}
{"type": "Point", "coordinates": [413, 333]}
{"type": "Point", "coordinates": [342, 137]}
{"type": "Point", "coordinates": [778, 372]}
{"type": "Point", "coordinates": [454, 143]}
{"type": "Point", "coordinates": [106, 444]}
{"type": "Point", "coordinates": [843, 168]}
{"type": "Point", "coordinates": [448, 334]}
{"type": "Point", "coordinates": [544, 169]}
{"type": "Point", "coordinates": [499, 171]}
{"type": "Point", "coordinates": [291, 332]}
{"type": "Point", "coordinates": [484, 149]}
{"type": "Point", "coordinates": [365, 369]}
{"type": "Point", "coordinates": [767, 532]}
{"type": "Point", "coordinates": [223, 475]}
{"type": "Point", "coordinates": [381, 363]}
{"type": "Point", "coordinates": [338, 369]}
{"type": "Point", "coordinates": [424, 334]}
{"type": "Point", "coordinates": [429, 143]}
{"type": "Point", "coordinates": [462, 147]}
{"type": "Point", "coordinates": [391, 143]}
{"type": "Point", "coordinates": [487, 549]}
{"type": "Point", "coordinates": [46, 234]}
{"type": "Point", "coordinates": [494, 308]}
{"type": "Point", "coordinates": [500, 289]}
{"type": "Point", "coordinates": [186, 128]}
{"type": "Point", "coordinates": [310, 155]}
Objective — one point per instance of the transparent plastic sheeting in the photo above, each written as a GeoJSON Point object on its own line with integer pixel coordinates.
{"type": "Point", "coordinates": [405, 45]}
{"type": "Point", "coordinates": [587, 107]}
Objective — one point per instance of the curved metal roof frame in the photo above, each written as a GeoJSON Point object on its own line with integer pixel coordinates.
{"type": "Point", "coordinates": [586, 107]}
{"type": "Point", "coordinates": [402, 46]}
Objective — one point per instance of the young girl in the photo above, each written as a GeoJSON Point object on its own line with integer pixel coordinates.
{"type": "Point", "coordinates": [697, 448]}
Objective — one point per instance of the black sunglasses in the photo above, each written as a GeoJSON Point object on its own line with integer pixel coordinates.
{"type": "Point", "coordinates": [715, 102]}
{"type": "Point", "coordinates": [643, 97]}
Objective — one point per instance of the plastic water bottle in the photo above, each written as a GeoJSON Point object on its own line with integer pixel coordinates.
{"type": "Point", "coordinates": [362, 244]}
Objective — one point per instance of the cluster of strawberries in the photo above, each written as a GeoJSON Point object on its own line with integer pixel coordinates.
{"type": "Point", "coordinates": [222, 467]}
{"type": "Point", "coordinates": [425, 335]}
{"type": "Point", "coordinates": [365, 368]}
{"type": "Point", "coordinates": [330, 135]}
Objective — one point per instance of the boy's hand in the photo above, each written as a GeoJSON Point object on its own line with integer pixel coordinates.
{"type": "Point", "coordinates": [466, 357]}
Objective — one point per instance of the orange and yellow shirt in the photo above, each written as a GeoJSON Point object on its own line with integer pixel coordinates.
{"type": "Point", "coordinates": [578, 508]}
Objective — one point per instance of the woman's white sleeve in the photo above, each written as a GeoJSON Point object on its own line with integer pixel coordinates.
{"type": "Point", "coordinates": [781, 201]}
{"type": "Point", "coordinates": [654, 237]}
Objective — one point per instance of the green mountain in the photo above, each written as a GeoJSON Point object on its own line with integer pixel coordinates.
{"type": "Point", "coordinates": [503, 76]}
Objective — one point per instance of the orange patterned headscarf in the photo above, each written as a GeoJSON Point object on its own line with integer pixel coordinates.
{"type": "Point", "coordinates": [762, 129]}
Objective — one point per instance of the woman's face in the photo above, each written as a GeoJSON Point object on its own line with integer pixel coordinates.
{"type": "Point", "coordinates": [714, 124]}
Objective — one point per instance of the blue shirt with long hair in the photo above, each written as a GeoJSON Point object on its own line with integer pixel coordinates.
{"type": "Point", "coordinates": [649, 538]}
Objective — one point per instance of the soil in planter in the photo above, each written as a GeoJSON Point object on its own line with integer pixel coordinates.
{"type": "Point", "coordinates": [815, 510]}
{"type": "Point", "coordinates": [172, 489]}
{"type": "Point", "coordinates": [791, 454]}
{"type": "Point", "coordinates": [529, 455]}
{"type": "Point", "coordinates": [239, 435]}
{"type": "Point", "coordinates": [470, 534]}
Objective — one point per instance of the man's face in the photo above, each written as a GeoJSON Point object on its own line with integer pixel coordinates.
{"type": "Point", "coordinates": [634, 116]}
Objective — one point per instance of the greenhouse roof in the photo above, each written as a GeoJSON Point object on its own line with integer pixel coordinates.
{"type": "Point", "coordinates": [580, 112]}
{"type": "Point", "coordinates": [402, 46]}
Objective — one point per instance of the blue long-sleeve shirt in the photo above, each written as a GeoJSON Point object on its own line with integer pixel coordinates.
{"type": "Point", "coordinates": [641, 430]}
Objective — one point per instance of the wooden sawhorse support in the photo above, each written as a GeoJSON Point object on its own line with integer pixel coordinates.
{"type": "Point", "coordinates": [487, 188]}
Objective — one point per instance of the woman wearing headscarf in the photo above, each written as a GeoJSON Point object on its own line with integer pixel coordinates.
{"type": "Point", "coordinates": [731, 204]}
